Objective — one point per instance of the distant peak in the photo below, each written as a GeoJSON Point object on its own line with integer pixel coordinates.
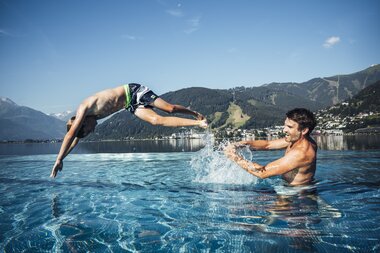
{"type": "Point", "coordinates": [7, 100]}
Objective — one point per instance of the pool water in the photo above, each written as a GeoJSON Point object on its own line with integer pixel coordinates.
{"type": "Point", "coordinates": [187, 202]}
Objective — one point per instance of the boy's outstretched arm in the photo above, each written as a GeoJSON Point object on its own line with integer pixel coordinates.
{"type": "Point", "coordinates": [69, 142]}
{"type": "Point", "coordinates": [59, 163]}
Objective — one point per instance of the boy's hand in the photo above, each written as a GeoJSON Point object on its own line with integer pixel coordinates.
{"type": "Point", "coordinates": [57, 167]}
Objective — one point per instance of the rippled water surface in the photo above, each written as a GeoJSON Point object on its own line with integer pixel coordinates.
{"type": "Point", "coordinates": [187, 202]}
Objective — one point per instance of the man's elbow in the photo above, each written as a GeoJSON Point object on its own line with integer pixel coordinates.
{"type": "Point", "coordinates": [261, 175]}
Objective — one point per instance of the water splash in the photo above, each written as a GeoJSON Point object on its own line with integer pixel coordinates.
{"type": "Point", "coordinates": [212, 166]}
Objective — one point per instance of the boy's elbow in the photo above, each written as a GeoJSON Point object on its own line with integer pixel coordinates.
{"type": "Point", "coordinates": [171, 109]}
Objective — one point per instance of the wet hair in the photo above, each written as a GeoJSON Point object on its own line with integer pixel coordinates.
{"type": "Point", "coordinates": [80, 133]}
{"type": "Point", "coordinates": [303, 117]}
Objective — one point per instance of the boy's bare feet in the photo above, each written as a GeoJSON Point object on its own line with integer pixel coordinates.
{"type": "Point", "coordinates": [203, 123]}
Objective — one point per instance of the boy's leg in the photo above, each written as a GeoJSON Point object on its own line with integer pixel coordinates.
{"type": "Point", "coordinates": [153, 118]}
{"type": "Point", "coordinates": [161, 104]}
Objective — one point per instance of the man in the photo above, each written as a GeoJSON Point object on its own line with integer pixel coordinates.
{"type": "Point", "coordinates": [136, 98]}
{"type": "Point", "coordinates": [298, 164]}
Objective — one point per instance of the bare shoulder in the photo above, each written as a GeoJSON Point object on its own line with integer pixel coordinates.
{"type": "Point", "coordinates": [305, 150]}
{"type": "Point", "coordinates": [88, 102]}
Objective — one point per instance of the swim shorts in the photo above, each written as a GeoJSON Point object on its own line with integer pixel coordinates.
{"type": "Point", "coordinates": [137, 95]}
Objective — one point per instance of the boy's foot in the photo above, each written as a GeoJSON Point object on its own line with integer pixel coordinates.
{"type": "Point", "coordinates": [203, 124]}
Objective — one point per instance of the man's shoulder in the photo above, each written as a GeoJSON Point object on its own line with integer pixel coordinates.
{"type": "Point", "coordinates": [307, 151]}
{"type": "Point", "coordinates": [303, 148]}
{"type": "Point", "coordinates": [306, 143]}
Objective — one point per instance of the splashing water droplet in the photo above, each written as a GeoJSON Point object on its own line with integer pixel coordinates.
{"type": "Point", "coordinates": [212, 166]}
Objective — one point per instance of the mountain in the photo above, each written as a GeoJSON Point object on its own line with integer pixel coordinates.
{"type": "Point", "coordinates": [64, 116]}
{"type": "Point", "coordinates": [239, 107]}
{"type": "Point", "coordinates": [20, 123]}
{"type": "Point", "coordinates": [366, 101]}
{"type": "Point", "coordinates": [360, 111]}
{"type": "Point", "coordinates": [331, 90]}
{"type": "Point", "coordinates": [244, 107]}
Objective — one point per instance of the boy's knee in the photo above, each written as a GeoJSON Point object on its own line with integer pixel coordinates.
{"type": "Point", "coordinates": [171, 109]}
{"type": "Point", "coordinates": [156, 120]}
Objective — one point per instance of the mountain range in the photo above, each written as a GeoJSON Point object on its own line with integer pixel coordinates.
{"type": "Point", "coordinates": [366, 101]}
{"type": "Point", "coordinates": [19, 123]}
{"type": "Point", "coordinates": [362, 111]}
{"type": "Point", "coordinates": [239, 107]}
{"type": "Point", "coordinates": [244, 107]}
{"type": "Point", "coordinates": [64, 116]}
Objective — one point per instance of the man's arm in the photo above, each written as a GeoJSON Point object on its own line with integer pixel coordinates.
{"type": "Point", "coordinates": [264, 144]}
{"type": "Point", "coordinates": [292, 160]}
{"type": "Point", "coordinates": [70, 141]}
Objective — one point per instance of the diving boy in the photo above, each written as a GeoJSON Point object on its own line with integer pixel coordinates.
{"type": "Point", "coordinates": [137, 99]}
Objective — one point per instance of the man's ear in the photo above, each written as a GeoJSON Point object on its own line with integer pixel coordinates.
{"type": "Point", "coordinates": [305, 131]}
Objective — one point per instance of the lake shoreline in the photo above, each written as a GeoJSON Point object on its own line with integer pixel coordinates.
{"type": "Point", "coordinates": [173, 139]}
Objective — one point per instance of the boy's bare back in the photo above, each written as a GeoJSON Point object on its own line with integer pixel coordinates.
{"type": "Point", "coordinates": [104, 103]}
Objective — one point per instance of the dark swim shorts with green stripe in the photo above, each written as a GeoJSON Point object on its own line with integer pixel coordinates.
{"type": "Point", "coordinates": [137, 95]}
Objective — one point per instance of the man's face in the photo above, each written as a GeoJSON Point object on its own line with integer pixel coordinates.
{"type": "Point", "coordinates": [89, 125]}
{"type": "Point", "coordinates": [291, 130]}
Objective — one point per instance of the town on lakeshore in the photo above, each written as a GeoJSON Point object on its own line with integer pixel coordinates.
{"type": "Point", "coordinates": [332, 126]}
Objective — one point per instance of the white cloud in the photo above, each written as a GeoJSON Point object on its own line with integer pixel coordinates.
{"type": "Point", "coordinates": [175, 13]}
{"type": "Point", "coordinates": [130, 37]}
{"type": "Point", "coordinates": [330, 42]}
{"type": "Point", "coordinates": [4, 33]}
{"type": "Point", "coordinates": [193, 25]}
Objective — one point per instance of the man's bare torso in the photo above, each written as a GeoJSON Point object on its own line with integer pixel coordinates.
{"type": "Point", "coordinates": [303, 174]}
{"type": "Point", "coordinates": [106, 102]}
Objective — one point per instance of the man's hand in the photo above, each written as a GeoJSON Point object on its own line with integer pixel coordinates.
{"type": "Point", "coordinates": [230, 152]}
{"type": "Point", "coordinates": [258, 167]}
{"type": "Point", "coordinates": [240, 144]}
{"type": "Point", "coordinates": [57, 167]}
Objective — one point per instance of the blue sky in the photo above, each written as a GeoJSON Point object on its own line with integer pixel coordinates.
{"type": "Point", "coordinates": [53, 54]}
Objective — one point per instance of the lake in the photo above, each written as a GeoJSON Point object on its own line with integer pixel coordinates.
{"type": "Point", "coordinates": [354, 142]}
{"type": "Point", "coordinates": [162, 196]}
